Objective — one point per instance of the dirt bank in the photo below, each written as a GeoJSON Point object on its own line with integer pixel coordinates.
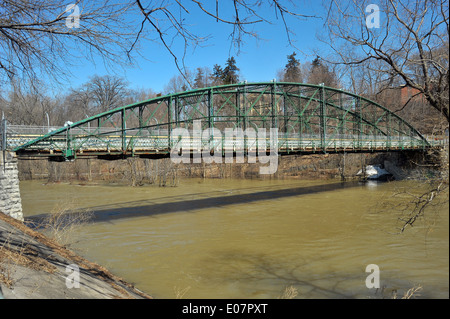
{"type": "Point", "coordinates": [33, 266]}
{"type": "Point", "coordinates": [136, 171]}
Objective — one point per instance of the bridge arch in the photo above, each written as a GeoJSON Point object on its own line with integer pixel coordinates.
{"type": "Point", "coordinates": [309, 118]}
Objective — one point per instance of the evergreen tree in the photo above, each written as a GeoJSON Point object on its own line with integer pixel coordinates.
{"type": "Point", "coordinates": [320, 73]}
{"type": "Point", "coordinates": [316, 63]}
{"type": "Point", "coordinates": [217, 75]}
{"type": "Point", "coordinates": [230, 73]}
{"type": "Point", "coordinates": [199, 81]}
{"type": "Point", "coordinates": [292, 72]}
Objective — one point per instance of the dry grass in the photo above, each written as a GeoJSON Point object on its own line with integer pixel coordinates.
{"type": "Point", "coordinates": [63, 221]}
{"type": "Point", "coordinates": [410, 293]}
{"type": "Point", "coordinates": [6, 276]}
{"type": "Point", "coordinates": [29, 257]}
{"type": "Point", "coordinates": [289, 293]}
{"type": "Point", "coordinates": [19, 254]}
{"type": "Point", "coordinates": [180, 292]}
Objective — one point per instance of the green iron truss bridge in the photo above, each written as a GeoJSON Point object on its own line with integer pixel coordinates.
{"type": "Point", "coordinates": [308, 118]}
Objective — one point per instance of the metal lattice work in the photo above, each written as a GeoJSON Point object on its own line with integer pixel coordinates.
{"type": "Point", "coordinates": [307, 118]}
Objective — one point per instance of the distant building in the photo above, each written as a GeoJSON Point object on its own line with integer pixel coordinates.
{"type": "Point", "coordinates": [406, 92]}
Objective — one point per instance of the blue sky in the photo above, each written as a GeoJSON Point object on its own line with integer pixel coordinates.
{"type": "Point", "coordinates": [259, 60]}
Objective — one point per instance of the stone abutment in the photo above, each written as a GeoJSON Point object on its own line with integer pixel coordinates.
{"type": "Point", "coordinates": [10, 201]}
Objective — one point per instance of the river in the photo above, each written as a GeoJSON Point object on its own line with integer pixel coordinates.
{"type": "Point", "coordinates": [256, 238]}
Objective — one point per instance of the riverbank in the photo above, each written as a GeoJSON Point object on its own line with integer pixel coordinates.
{"type": "Point", "coordinates": [33, 266]}
{"type": "Point", "coordinates": [163, 172]}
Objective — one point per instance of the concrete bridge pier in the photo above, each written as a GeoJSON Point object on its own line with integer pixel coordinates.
{"type": "Point", "coordinates": [10, 201]}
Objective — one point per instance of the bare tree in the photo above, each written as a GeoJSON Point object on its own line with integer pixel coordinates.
{"type": "Point", "coordinates": [179, 82]}
{"type": "Point", "coordinates": [26, 106]}
{"type": "Point", "coordinates": [412, 203]}
{"type": "Point", "coordinates": [393, 45]}
{"type": "Point", "coordinates": [99, 94]}
{"type": "Point", "coordinates": [107, 92]}
{"type": "Point", "coordinates": [48, 37]}
{"type": "Point", "coordinates": [410, 43]}
{"type": "Point", "coordinates": [137, 95]}
{"type": "Point", "coordinates": [79, 102]}
{"type": "Point", "coordinates": [45, 38]}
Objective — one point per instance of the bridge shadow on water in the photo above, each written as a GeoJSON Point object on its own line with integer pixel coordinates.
{"type": "Point", "coordinates": [181, 204]}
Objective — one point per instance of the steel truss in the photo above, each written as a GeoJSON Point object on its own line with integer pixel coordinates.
{"type": "Point", "coordinates": [308, 118]}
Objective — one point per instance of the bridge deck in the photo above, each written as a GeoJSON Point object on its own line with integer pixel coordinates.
{"type": "Point", "coordinates": [110, 145]}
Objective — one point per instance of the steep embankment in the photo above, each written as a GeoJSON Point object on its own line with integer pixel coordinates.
{"type": "Point", "coordinates": [33, 266]}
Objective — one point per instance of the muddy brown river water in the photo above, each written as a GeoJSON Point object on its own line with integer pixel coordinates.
{"type": "Point", "coordinates": [255, 238]}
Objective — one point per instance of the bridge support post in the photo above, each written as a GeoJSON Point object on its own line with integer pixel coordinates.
{"type": "Point", "coordinates": [10, 201]}
{"type": "Point", "coordinates": [323, 122]}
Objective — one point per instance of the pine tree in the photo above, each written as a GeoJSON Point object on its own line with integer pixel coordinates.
{"type": "Point", "coordinates": [292, 71]}
{"type": "Point", "coordinates": [316, 63]}
{"type": "Point", "coordinates": [320, 73]}
{"type": "Point", "coordinates": [230, 73]}
{"type": "Point", "coordinates": [199, 81]}
{"type": "Point", "coordinates": [217, 75]}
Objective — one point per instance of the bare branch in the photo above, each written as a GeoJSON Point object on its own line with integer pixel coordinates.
{"type": "Point", "coordinates": [35, 39]}
{"type": "Point", "coordinates": [409, 44]}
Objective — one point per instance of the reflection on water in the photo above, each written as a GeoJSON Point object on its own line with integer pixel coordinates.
{"type": "Point", "coordinates": [252, 239]}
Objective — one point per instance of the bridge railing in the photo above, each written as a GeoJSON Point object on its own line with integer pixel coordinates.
{"type": "Point", "coordinates": [162, 140]}
{"type": "Point", "coordinates": [437, 140]}
{"type": "Point", "coordinates": [32, 130]}
{"type": "Point", "coordinates": [16, 135]}
{"type": "Point", "coordinates": [157, 139]}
